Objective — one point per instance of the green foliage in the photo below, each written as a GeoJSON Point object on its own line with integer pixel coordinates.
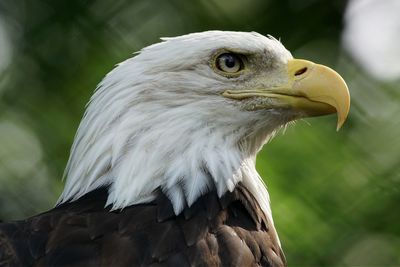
{"type": "Point", "coordinates": [334, 195]}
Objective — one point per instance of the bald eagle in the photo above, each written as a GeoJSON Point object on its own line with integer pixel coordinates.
{"type": "Point", "coordinates": [162, 167]}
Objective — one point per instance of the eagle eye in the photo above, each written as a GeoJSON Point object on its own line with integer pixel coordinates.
{"type": "Point", "coordinates": [229, 63]}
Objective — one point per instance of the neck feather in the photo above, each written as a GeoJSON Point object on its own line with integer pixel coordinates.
{"type": "Point", "coordinates": [126, 143]}
{"type": "Point", "coordinates": [184, 159]}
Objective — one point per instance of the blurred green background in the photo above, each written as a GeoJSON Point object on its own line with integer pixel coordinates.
{"type": "Point", "coordinates": [335, 195]}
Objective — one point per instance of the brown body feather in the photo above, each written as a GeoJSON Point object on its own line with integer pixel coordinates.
{"type": "Point", "coordinates": [227, 231]}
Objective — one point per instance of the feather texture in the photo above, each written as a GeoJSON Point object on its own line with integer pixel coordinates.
{"type": "Point", "coordinates": [158, 121]}
{"type": "Point", "coordinates": [232, 231]}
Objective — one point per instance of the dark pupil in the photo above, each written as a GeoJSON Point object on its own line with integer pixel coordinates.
{"type": "Point", "coordinates": [230, 61]}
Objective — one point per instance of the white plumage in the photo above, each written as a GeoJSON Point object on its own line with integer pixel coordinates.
{"type": "Point", "coordinates": [158, 121]}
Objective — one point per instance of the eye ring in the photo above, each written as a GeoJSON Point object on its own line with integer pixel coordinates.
{"type": "Point", "coordinates": [229, 63]}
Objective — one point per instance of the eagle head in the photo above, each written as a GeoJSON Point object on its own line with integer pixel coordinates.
{"type": "Point", "coordinates": [188, 115]}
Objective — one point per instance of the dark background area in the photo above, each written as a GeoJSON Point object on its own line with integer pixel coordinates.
{"type": "Point", "coordinates": [335, 195]}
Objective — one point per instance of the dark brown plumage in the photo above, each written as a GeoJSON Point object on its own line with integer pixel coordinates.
{"type": "Point", "coordinates": [231, 231]}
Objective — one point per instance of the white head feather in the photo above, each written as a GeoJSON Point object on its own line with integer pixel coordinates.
{"type": "Point", "coordinates": [158, 120]}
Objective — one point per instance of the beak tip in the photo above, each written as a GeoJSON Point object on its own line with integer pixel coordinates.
{"type": "Point", "coordinates": [340, 121]}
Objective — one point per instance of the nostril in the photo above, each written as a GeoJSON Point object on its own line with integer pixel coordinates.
{"type": "Point", "coordinates": [300, 71]}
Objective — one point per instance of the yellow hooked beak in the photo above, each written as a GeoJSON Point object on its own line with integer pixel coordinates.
{"type": "Point", "coordinates": [312, 89]}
